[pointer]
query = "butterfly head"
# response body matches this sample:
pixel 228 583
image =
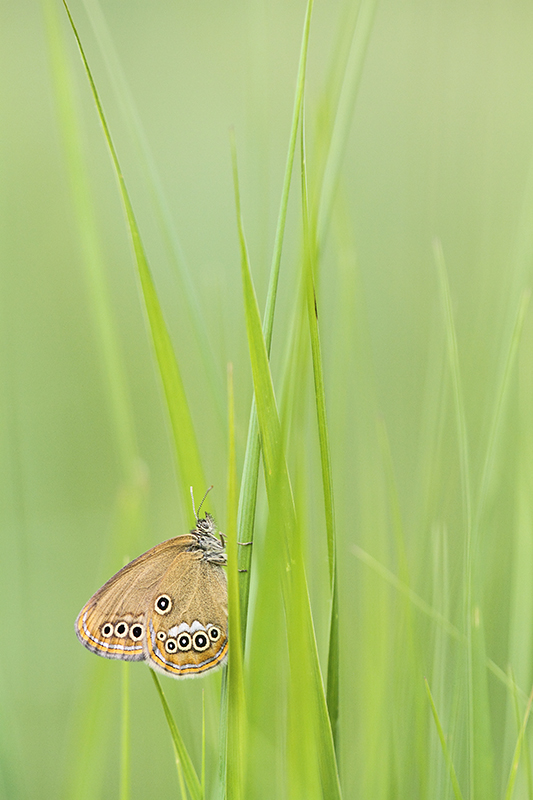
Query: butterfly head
pixel 212 546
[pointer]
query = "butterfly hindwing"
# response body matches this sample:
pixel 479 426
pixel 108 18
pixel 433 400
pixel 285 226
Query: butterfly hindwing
pixel 187 618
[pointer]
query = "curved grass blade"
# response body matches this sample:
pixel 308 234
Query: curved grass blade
pixel 236 715
pixel 124 99
pixel 517 751
pixel 268 419
pixel 203 742
pixel 250 476
pixel 497 415
pixel 185 445
pixel 184 764
pixel 93 261
pixel 309 258
pixel 125 734
pixel 518 747
pixel 449 762
pixel 223 734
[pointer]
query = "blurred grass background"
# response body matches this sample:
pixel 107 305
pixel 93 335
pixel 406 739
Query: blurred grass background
pixel 440 145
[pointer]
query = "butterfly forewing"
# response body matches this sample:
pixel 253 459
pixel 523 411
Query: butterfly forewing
pixel 187 620
pixel 113 623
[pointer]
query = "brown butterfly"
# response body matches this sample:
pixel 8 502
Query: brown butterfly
pixel 168 607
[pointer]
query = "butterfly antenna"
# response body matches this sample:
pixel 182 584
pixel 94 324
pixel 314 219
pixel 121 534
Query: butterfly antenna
pixel 193 508
pixel 203 498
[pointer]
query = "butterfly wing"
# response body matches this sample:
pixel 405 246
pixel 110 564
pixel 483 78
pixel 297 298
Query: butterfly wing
pixel 113 622
pixel 187 618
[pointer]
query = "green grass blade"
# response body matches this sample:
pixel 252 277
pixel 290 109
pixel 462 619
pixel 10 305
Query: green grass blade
pixel 501 396
pixel 464 460
pixel 93 261
pixel 186 448
pixel 191 305
pixel 518 722
pixel 343 117
pixel 223 733
pixel 487 477
pixel 449 762
pixel 184 764
pixel 417 601
pixel 304 769
pixel 518 748
pixel 250 477
pixel 453 355
pixel 203 743
pixel 282 218
pixel 237 733
pixel 309 258
pixel 440 660
pixel 332 684
pixel 266 684
pixel 521 589
pixel 125 738
pixel 326 744
pixel 271 439
pixel 309 261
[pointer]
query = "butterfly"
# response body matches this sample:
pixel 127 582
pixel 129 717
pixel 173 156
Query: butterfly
pixel 167 607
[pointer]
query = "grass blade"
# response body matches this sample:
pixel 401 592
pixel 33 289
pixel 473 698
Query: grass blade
pixel 449 762
pixel 191 305
pixel 309 259
pixel 453 355
pixel 250 477
pixel 93 261
pixel 474 693
pixel 203 742
pixel 271 439
pixel 125 739
pixel 185 445
pixel 184 764
pixel 501 396
pixel 343 117
pixel 518 748
pixel 236 717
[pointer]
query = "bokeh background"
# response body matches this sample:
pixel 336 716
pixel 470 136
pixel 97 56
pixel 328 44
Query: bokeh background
pixel 440 145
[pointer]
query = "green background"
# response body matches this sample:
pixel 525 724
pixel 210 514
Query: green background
pixel 440 146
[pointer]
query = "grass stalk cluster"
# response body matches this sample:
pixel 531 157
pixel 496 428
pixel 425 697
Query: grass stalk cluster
pixel 384 687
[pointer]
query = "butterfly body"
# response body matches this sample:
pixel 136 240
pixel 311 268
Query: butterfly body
pixel 167 607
